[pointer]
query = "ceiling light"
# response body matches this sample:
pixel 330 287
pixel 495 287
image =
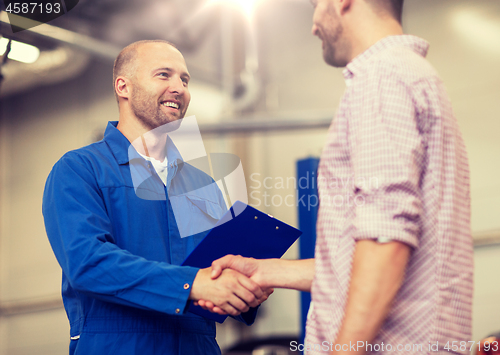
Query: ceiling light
pixel 19 51
pixel 246 5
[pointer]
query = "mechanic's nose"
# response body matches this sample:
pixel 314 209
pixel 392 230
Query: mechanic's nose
pixel 177 86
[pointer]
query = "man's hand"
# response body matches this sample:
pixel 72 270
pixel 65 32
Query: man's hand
pixel 247 266
pixel 209 306
pixel 268 273
pixel 231 293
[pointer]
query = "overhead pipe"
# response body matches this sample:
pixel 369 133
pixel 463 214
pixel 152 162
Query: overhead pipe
pixel 14 308
pixel 53 66
pixel 78 41
pixel 247 126
pixel 249 76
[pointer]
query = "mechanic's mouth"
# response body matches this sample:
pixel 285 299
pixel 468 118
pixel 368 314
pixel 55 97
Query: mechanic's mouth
pixel 171 104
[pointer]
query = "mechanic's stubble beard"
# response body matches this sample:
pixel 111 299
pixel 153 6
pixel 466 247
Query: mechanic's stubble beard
pixel 148 109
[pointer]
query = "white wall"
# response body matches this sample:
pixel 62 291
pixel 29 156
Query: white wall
pixel 486 306
pixel 40 125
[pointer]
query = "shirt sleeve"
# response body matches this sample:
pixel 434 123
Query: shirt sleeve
pixel 80 233
pixel 388 156
pixel 247 318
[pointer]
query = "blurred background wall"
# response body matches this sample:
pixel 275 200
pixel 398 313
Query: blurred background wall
pixel 63 101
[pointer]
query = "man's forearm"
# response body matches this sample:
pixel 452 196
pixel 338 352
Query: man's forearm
pixel 377 274
pixel 292 274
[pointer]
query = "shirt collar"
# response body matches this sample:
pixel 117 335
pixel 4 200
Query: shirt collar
pixel 418 45
pixel 120 146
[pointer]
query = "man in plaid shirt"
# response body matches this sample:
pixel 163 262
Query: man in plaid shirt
pixel 393 264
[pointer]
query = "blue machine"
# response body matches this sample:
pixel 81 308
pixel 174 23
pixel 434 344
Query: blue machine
pixel 308 204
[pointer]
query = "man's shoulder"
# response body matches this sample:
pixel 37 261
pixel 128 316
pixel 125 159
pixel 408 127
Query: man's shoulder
pixel 401 64
pixel 78 167
pixel 85 156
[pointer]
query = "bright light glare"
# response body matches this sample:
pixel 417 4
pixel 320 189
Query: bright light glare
pixel 478 29
pixel 19 51
pixel 246 5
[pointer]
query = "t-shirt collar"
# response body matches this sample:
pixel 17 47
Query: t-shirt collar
pixel 120 146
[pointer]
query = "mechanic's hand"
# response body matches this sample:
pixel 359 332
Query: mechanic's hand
pixel 231 293
pixel 247 266
pixel 209 306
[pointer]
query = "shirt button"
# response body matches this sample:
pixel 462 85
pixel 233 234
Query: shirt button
pixel 186 286
pixel 177 311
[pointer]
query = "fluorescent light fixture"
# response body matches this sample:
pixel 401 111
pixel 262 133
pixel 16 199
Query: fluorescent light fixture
pixel 479 29
pixel 19 51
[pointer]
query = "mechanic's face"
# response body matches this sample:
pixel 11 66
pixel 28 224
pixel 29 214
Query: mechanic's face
pixel 159 93
pixel 327 26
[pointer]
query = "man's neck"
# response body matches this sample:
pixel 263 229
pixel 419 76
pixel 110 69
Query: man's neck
pixel 371 31
pixel 147 142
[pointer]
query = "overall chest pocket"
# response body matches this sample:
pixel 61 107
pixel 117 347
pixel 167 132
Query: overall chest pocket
pixel 197 211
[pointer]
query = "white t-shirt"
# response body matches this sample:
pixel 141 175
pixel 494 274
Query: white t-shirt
pixel 160 167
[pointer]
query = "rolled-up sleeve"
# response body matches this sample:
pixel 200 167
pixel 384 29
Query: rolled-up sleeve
pixel 388 154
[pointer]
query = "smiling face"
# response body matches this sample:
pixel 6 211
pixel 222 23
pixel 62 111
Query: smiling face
pixel 327 26
pixel 159 85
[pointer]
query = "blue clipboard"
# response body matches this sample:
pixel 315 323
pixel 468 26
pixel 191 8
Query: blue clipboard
pixel 242 230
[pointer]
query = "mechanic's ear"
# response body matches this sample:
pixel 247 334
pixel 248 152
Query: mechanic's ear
pixel 122 87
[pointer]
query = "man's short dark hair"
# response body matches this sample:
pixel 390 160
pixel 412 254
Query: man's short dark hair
pixel 126 63
pixel 393 7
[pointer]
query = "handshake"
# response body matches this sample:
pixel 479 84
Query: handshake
pixel 234 284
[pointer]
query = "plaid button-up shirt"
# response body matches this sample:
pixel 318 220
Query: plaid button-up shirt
pixel 395 167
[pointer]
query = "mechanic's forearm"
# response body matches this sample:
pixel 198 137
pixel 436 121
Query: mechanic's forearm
pixel 377 274
pixel 292 274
